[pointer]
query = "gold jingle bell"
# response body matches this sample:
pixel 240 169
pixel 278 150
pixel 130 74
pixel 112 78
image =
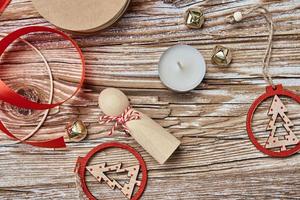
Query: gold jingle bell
pixel 194 18
pixel 76 130
pixel 221 56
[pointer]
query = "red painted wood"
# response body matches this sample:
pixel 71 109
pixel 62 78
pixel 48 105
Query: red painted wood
pixel 82 163
pixel 270 92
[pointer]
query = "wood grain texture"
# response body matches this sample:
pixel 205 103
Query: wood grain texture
pixel 216 159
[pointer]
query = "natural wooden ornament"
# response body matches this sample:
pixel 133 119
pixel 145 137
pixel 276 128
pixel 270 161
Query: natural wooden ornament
pixel 98 171
pixel 81 16
pixel 278 109
pixel 272 91
pixel 150 135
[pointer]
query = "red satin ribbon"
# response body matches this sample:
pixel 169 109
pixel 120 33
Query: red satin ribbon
pixel 9 96
pixel 3 5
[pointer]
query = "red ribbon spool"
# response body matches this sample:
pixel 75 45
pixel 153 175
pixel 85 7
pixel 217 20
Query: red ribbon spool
pixel 9 96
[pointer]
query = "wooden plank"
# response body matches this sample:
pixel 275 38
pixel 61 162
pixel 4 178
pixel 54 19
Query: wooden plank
pixel 216 159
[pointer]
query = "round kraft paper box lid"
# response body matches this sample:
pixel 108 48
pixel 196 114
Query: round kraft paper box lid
pixel 81 15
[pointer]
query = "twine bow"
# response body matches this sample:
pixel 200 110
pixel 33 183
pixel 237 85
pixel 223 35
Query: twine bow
pixel 121 120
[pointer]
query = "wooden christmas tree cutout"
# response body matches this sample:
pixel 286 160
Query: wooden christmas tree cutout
pixel 98 171
pixel 278 108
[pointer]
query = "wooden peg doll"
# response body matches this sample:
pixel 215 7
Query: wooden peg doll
pixel 159 143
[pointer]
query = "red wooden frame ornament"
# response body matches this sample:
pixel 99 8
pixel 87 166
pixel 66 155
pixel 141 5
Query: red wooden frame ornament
pixel 270 92
pixel 83 161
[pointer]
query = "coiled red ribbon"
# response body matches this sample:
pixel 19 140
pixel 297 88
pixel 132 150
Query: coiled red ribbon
pixel 9 96
pixel 3 4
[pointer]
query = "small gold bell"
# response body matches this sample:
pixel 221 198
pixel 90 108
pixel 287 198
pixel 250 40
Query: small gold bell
pixel 222 56
pixel 194 18
pixel 76 130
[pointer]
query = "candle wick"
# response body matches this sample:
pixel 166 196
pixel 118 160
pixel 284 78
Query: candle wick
pixel 180 65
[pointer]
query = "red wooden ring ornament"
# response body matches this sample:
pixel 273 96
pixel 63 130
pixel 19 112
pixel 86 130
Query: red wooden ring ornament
pixel 82 163
pixel 270 91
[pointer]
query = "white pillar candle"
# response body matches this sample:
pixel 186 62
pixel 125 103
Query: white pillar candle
pixel 182 68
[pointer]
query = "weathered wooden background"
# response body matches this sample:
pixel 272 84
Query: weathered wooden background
pixel 216 159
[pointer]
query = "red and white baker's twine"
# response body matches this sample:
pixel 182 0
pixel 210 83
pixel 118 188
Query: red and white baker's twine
pixel 121 120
